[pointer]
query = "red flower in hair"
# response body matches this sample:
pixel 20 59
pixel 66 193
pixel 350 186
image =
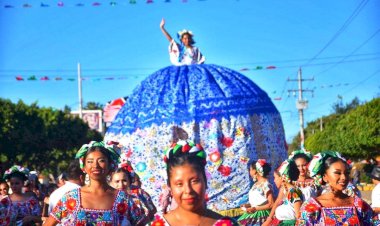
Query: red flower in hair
pixel 262 162
pixel 186 148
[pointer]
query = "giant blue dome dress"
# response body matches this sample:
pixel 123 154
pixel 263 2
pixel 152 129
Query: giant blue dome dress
pixel 233 119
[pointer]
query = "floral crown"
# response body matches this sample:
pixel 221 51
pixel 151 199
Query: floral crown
pixel 126 165
pixel 16 169
pixel 182 148
pixel 184 31
pixel 260 166
pixel 284 170
pixel 302 151
pixel 316 164
pixel 110 147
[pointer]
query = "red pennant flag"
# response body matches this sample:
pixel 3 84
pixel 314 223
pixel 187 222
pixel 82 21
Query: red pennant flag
pixel 45 78
pixel 271 67
pixel 19 78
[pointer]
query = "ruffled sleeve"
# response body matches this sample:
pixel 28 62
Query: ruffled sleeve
pixel 174 53
pixel 365 212
pixel 66 205
pixel 294 195
pixel 266 188
pixel 310 213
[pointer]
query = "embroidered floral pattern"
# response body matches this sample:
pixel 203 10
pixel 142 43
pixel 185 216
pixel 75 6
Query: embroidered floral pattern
pixel 312 213
pixel 68 211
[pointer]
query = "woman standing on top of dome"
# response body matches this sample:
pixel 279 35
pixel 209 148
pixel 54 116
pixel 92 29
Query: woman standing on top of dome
pixel 184 53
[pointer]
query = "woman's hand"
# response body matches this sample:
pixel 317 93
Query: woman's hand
pixel 162 24
pixel 267 222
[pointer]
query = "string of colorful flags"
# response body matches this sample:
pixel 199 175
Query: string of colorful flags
pixel 96 4
pixel 46 78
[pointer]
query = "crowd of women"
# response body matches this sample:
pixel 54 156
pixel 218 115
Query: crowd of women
pixel 103 189
pixel 313 190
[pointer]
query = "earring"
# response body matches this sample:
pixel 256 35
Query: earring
pixel 87 179
pixel 327 187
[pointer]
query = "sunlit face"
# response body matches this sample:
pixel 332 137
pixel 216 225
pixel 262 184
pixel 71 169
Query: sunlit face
pixel 337 176
pixel 120 181
pixel 96 165
pixel 277 180
pixel 188 187
pixel 16 185
pixel 186 39
pixel 301 166
pixel 253 173
pixel 4 189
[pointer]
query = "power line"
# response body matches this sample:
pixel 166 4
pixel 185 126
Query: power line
pixel 351 54
pixel 150 68
pixel 340 31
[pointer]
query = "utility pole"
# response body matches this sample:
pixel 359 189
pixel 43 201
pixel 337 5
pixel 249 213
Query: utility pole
pixel 301 104
pixel 80 92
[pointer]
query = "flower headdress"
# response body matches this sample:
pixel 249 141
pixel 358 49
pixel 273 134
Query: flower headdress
pixel 114 156
pixel 260 166
pixel 302 151
pixel 16 169
pixel 284 170
pixel 183 147
pixel 316 164
pixel 126 164
pixel 182 32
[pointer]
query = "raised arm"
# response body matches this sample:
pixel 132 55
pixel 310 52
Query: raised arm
pixel 162 26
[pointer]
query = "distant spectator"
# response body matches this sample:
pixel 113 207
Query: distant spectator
pixel 61 180
pixel 4 189
pixel 375 175
pixel 75 179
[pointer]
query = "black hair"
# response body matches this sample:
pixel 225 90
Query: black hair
pixel 302 155
pixel 103 150
pixel 191 40
pixel 18 175
pixel 327 164
pixel 294 173
pixel 266 168
pixel 180 158
pixel 74 172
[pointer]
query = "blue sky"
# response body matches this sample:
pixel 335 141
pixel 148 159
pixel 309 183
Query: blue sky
pixel 336 42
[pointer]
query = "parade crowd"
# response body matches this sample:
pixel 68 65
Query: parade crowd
pixel 101 188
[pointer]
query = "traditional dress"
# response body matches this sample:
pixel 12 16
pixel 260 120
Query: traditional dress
pixel 69 211
pixel 308 188
pixel 159 220
pixel 12 212
pixel 145 199
pixel 257 196
pixel 180 55
pixel 285 213
pixel 313 213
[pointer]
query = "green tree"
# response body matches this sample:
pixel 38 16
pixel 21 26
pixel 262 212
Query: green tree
pixel 40 138
pixel 356 133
